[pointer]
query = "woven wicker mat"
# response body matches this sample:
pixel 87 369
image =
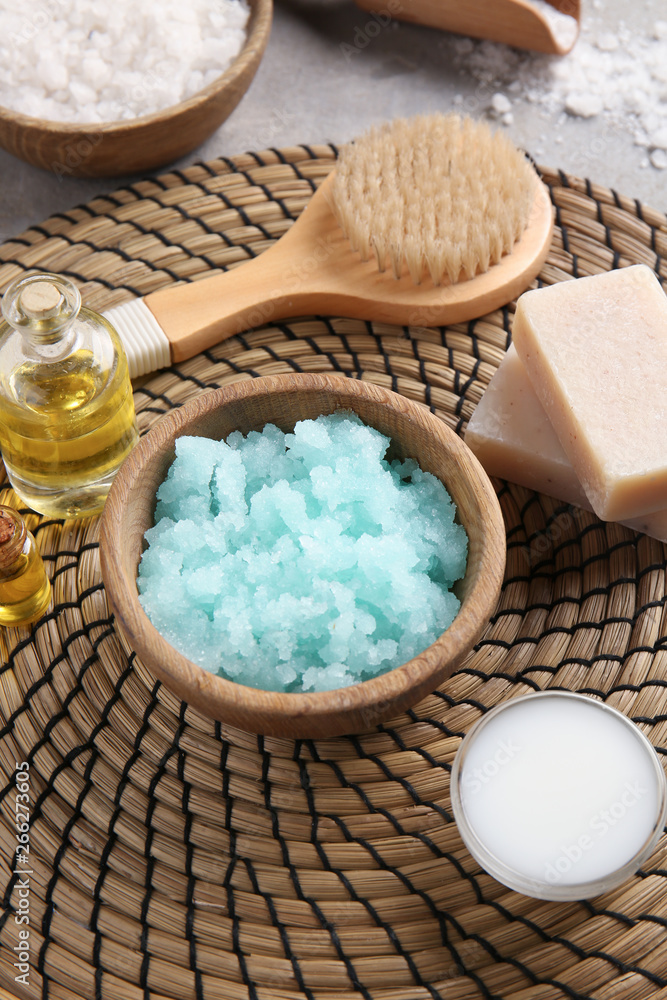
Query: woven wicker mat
pixel 172 857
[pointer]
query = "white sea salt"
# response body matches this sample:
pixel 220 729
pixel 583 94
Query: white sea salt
pixel 564 27
pixel 97 60
pixel 301 561
pixel 619 77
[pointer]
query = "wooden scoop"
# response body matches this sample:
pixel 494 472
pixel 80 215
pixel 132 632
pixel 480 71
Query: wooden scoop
pixel 514 22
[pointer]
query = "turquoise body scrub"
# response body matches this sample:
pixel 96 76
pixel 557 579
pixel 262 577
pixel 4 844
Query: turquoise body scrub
pixel 304 561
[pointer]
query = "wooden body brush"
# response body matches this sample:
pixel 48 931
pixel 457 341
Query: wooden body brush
pixel 456 219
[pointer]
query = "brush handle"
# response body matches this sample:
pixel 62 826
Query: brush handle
pixel 514 22
pixel 258 292
pixel 291 278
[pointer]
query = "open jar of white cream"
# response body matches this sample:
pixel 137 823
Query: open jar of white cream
pixel 558 796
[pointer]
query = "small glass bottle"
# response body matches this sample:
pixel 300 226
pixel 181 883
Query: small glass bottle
pixel 25 590
pixel 67 416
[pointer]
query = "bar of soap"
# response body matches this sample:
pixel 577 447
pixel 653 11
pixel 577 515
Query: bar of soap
pixel 511 435
pixel 595 350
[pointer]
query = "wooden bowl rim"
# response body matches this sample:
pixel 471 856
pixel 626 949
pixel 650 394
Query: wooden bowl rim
pixel 385 689
pixel 261 16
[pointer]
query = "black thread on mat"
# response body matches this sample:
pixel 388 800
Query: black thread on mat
pixel 73 753
pixel 70 553
pixel 190 934
pixel 254 183
pixel 301 176
pixel 461 392
pixel 236 924
pixel 205 165
pixel 327 323
pixel 184 214
pixel 230 364
pixel 387 364
pixel 284 850
pixel 380 810
pixel 304 780
pixel 514 680
pixel 278 153
pixel 436 723
pixel 277 357
pixel 411 748
pixel 280 927
pixel 353 354
pixel 108 848
pixel 507 326
pixel 81 278
pixel 158 235
pixel 441 916
pixel 389 774
pixel 116 250
pixel 314 346
pixel 48 672
pixel 310 152
pixel 414 344
pixel 472 335
pixel 155 396
pixel 148 844
pixel 234 859
pixel 49 905
pixel 245 219
pixel 224 754
pixel 563 230
pixel 187 378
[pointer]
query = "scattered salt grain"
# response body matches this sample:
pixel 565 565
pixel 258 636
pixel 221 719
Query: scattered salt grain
pixel 501 104
pixel 584 105
pixel 97 60
pixel 607 42
pixel 301 561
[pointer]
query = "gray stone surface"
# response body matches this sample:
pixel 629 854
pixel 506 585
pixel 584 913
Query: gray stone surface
pixel 325 77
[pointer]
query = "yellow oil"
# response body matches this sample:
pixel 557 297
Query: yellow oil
pixel 25 590
pixel 65 429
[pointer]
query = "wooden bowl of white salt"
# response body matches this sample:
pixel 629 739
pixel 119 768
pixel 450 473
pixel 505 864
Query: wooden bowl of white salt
pixel 132 144
pixel 282 400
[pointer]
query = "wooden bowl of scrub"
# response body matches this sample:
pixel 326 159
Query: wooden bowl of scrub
pixel 283 400
pixel 112 148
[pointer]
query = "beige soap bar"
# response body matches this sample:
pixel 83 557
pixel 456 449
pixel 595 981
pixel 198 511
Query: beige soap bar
pixel 512 436
pixel 595 350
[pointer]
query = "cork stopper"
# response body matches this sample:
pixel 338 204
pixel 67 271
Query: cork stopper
pixel 41 300
pixel 12 536
pixel 41 306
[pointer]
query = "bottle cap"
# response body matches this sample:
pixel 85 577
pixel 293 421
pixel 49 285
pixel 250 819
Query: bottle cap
pixel 43 305
pixel 12 536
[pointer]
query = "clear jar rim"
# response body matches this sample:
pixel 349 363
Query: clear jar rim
pixel 511 877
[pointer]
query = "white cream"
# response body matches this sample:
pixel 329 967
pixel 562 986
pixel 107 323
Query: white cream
pixel 558 796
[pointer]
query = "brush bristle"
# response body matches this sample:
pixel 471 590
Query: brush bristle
pixel 437 196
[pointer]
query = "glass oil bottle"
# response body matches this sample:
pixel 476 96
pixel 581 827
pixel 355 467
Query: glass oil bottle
pixel 67 416
pixel 25 590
